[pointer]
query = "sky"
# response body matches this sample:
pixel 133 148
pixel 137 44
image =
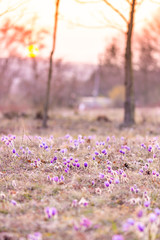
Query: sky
pixel 82 28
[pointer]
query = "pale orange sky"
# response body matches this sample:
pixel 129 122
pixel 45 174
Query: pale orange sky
pixel 77 43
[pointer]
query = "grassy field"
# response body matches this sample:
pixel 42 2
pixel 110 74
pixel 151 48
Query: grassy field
pixel 82 178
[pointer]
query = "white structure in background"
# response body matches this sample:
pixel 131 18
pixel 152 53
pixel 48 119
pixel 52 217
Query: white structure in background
pixel 94 103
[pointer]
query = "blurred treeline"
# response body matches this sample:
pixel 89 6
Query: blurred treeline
pixel 23 80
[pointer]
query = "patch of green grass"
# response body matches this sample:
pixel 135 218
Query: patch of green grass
pixel 27 196
pixel 4 211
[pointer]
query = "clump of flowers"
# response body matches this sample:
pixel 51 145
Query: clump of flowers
pixel 84 224
pixel 50 212
pixel 134 189
pixel 83 202
pixel 36 163
pixel 56 179
pixel 146 225
pixel 35 236
pixel 117 237
pixel 8 140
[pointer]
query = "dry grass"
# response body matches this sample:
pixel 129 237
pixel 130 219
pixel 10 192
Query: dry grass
pixel 26 177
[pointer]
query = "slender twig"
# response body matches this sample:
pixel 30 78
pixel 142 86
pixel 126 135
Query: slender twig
pixel 87 2
pixel 116 10
pixel 12 8
pixel 77 24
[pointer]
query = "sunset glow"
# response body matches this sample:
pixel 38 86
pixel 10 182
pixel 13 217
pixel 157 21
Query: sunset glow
pixel 32 51
pixel 81 26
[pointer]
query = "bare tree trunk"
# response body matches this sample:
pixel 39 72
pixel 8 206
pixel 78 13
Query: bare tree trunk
pixel 129 106
pixel 50 70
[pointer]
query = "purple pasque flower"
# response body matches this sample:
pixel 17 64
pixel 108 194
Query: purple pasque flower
pixel 93 182
pixel 63 151
pixel 55 158
pixel 104 151
pixel 122 151
pixel 47 212
pixel 117 237
pixel 147 203
pixel 109 168
pixel 35 236
pixel 126 147
pixel 143 145
pixel 140 213
pixel 120 171
pixel 130 221
pixel 62 178
pixel 14 202
pixel 75 203
pixel 96 153
pixel 126 227
pixel 85 164
pixel 157 211
pixel 150 160
pixel 101 175
pixel 124 175
pixel 14 151
pixel 116 181
pixel 85 222
pixel 76 227
pixel 149 148
pixel 140 227
pixel 56 179
pixel 83 202
pixel 154 172
pixel 152 217
pixel 141 170
pixel 54 211
pixel 107 139
pixel 50 212
pixel 106 184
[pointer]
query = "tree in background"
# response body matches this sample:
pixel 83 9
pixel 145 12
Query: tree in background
pixel 110 65
pixel 14 41
pixel 149 60
pixel 109 71
pixel 129 106
pixel 47 97
pixel 151 33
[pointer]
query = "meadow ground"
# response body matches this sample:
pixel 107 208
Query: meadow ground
pixel 82 178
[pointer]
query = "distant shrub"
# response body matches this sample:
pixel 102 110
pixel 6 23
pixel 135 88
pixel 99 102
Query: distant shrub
pixel 117 95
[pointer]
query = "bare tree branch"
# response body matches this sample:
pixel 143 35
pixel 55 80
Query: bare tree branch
pixel 116 10
pixel 128 2
pixel 12 8
pixel 113 25
pixel 155 1
pixel 87 2
pixel 77 24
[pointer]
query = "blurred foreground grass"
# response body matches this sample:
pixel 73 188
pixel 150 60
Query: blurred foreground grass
pixel 92 202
